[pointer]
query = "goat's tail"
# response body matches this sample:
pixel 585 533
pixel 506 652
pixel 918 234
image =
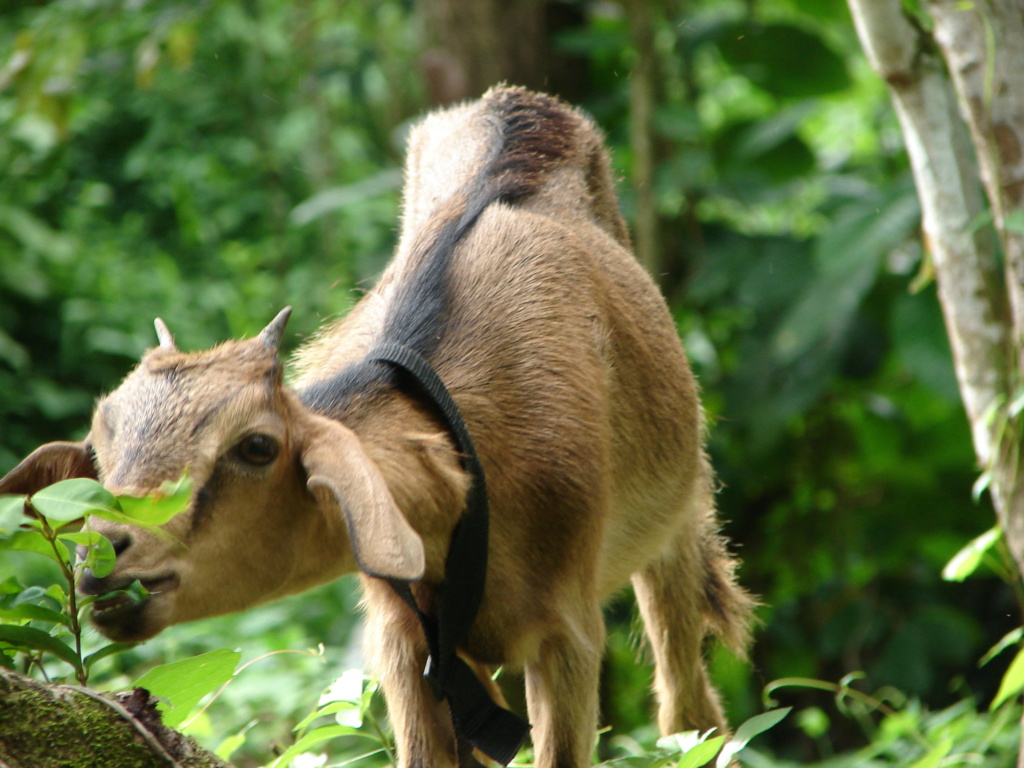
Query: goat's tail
pixel 539 133
pixel 531 136
pixel 728 608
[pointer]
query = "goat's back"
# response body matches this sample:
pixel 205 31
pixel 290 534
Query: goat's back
pixel 560 352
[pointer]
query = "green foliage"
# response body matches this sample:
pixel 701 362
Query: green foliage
pixel 693 749
pixel 38 624
pixel 156 161
pixel 347 703
pixel 901 732
pixel 181 684
pixel 211 162
pixel 776 57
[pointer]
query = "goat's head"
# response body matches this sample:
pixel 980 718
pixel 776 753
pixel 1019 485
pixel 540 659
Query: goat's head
pixel 283 498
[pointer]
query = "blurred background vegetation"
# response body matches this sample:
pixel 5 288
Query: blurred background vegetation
pixel 210 162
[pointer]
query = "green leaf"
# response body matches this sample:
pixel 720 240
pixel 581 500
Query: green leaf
pixel 755 158
pixel 12 514
pixel 936 755
pixel 158 508
pixel 120 517
pixel 71 499
pixel 311 739
pixel 230 745
pixel 330 709
pixel 755 726
pixel 34 541
pixel 347 688
pixel 100 557
pixel 1016 405
pixel 966 561
pixel 40 596
pixel 36 639
pixel 335 198
pixel 183 683
pixel 683 741
pixel 30 612
pixel 1013 681
pixel 1010 638
pixel 107 650
pixel 702 754
pixel 11 586
pixel 981 485
pixel 980 221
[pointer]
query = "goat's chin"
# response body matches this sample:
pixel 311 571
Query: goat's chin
pixel 130 623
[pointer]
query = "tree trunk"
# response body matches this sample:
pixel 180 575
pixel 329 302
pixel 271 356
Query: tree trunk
pixel 65 725
pixel 984 49
pixel 983 44
pixel 947 184
pixel 474 45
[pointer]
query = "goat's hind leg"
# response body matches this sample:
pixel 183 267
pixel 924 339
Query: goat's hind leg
pixel 562 689
pixel 683 596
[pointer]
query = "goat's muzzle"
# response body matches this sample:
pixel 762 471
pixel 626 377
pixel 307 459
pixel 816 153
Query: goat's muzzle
pixel 119 613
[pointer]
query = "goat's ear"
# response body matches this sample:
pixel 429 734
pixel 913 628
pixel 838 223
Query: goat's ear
pixel 347 483
pixel 46 465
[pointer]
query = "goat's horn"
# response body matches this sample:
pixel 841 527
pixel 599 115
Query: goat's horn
pixel 271 335
pixel 164 335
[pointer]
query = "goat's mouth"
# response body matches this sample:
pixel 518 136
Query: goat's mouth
pixel 119 611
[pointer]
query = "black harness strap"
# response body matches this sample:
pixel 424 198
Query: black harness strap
pixel 478 720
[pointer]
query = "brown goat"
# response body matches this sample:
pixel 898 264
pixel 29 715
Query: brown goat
pixel 513 277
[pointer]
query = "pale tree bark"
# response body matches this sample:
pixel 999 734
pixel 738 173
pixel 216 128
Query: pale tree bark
pixel 949 164
pixel 946 175
pixel 983 44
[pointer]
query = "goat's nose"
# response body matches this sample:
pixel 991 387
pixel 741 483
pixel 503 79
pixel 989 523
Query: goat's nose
pixel 119 541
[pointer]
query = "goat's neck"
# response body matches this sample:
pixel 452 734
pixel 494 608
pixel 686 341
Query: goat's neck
pixel 423 470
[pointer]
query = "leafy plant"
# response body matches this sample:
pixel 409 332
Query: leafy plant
pixel 694 749
pixel 39 624
pixel 902 732
pixel 347 702
pixel 990 549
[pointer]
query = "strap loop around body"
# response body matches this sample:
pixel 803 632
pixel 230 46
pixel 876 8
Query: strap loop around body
pixel 477 719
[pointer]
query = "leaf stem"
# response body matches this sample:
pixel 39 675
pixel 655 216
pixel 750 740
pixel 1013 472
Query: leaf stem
pixel 71 605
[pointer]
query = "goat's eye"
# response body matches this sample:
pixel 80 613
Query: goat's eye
pixel 258 450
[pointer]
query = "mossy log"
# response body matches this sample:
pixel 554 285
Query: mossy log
pixel 44 725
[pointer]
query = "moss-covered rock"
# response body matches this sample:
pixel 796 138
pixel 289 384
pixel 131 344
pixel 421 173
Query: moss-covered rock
pixel 61 726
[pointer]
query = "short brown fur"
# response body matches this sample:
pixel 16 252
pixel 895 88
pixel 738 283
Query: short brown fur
pixel 566 366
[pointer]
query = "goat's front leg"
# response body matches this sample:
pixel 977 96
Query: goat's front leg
pixel 397 653
pixel 562 689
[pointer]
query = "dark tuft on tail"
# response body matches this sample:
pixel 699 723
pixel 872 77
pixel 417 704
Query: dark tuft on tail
pixel 728 608
pixel 534 134
pixel 538 132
